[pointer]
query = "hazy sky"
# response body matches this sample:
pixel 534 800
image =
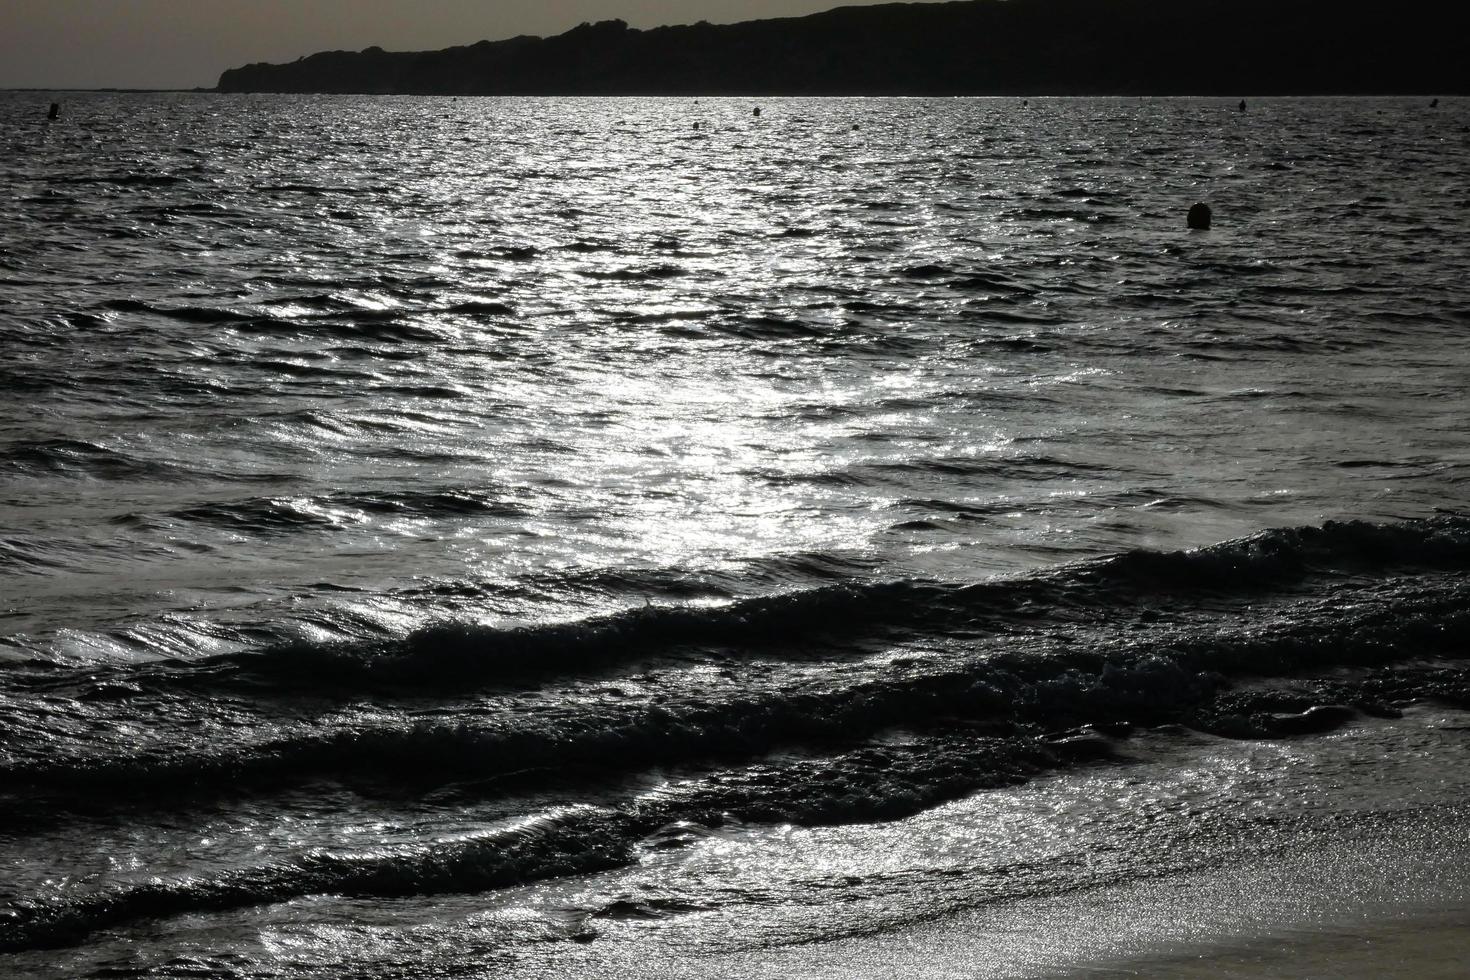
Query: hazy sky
pixel 187 43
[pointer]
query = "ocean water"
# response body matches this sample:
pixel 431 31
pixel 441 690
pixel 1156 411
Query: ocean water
pixel 537 537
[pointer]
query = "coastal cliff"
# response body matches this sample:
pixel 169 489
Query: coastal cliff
pixel 1073 47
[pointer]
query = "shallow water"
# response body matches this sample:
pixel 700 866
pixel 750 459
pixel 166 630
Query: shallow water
pixel 423 497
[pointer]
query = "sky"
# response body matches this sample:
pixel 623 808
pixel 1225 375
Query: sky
pixel 187 43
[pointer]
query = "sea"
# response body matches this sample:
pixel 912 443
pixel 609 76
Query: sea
pixel 514 537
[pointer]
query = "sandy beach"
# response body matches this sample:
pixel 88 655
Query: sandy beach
pixel 1421 945
pixel 1376 906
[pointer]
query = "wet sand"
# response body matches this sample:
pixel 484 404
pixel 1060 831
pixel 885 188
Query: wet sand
pixel 1420 946
pixel 1420 943
pixel 1388 903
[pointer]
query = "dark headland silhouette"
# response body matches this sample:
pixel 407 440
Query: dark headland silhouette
pixel 1063 47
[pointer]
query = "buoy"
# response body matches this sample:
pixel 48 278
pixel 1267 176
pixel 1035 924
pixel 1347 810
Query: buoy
pixel 757 112
pixel 1434 104
pixel 1242 105
pixel 1199 217
pixel 55 112
pixel 696 125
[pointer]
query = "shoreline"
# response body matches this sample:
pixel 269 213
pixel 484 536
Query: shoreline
pixel 1327 886
pixel 1122 934
pixel 1387 903
pixel 1423 945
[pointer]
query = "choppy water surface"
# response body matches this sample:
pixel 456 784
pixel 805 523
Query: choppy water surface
pixel 421 519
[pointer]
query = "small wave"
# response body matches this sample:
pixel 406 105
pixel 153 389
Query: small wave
pixel 587 247
pixel 319 302
pixel 456 654
pixel 849 618
pixel 954 509
pixel 77 457
pixel 807 566
pixel 879 782
pixel 516 253
pixel 330 371
pixel 1290 554
pixel 379 325
pixel 989 314
pixel 257 516
pixel 1059 214
pixel 669 316
pixel 1019 467
pixel 641 584
pixel 432 503
pixel 26 556
pixel 579 841
pixel 1019 345
pixel 326 511
pixel 1166 675
pixel 920 730
pixel 480 308
pixel 310 190
pixel 1377 593
pixel 646 274
pixel 1385 464
pixel 876 783
pixel 991 282
pixel 928 271
pixel 188 314
pixel 767 327
pixel 127 179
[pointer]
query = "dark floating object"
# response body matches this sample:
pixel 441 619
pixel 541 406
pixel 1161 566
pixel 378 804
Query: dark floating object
pixel 1199 217
pixel 55 112
pixel 1434 104
pixel 1242 105
pixel 757 112
pixel 696 125
pixel 856 127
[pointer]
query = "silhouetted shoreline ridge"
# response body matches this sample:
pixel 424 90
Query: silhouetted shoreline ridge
pixel 976 47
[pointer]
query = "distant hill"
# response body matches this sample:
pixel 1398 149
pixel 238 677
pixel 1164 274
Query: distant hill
pixel 1064 47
